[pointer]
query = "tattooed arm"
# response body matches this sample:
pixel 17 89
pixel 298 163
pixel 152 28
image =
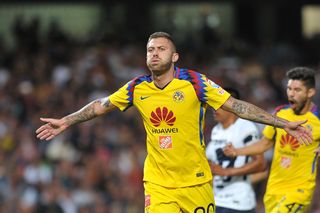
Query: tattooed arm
pixel 251 112
pixel 54 127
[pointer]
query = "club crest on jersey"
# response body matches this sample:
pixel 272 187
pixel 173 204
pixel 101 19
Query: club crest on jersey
pixel 178 96
pixel 159 115
pixel 290 141
pixel 165 142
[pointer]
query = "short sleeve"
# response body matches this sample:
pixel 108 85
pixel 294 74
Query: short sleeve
pixel 269 132
pixel 122 98
pixel 216 96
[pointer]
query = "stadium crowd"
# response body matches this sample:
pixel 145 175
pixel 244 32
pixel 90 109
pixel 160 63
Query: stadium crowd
pixel 97 166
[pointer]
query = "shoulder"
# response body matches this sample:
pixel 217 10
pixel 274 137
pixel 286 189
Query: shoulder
pixel 315 110
pixel 281 108
pixel 138 80
pixel 187 74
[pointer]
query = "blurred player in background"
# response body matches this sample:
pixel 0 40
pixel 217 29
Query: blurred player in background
pixel 233 191
pixel 292 176
pixel 172 103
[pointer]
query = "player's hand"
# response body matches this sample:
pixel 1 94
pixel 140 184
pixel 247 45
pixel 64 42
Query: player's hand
pixel 216 169
pixel 302 134
pixel 230 151
pixel 52 128
pixel 317 150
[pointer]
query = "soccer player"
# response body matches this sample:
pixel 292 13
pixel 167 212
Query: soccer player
pixel 172 103
pixel 233 192
pixel 292 177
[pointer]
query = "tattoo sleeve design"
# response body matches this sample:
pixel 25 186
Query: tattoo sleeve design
pixel 251 112
pixel 84 114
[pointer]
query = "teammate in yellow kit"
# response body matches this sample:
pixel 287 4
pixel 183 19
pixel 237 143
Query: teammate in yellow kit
pixel 172 103
pixel 292 176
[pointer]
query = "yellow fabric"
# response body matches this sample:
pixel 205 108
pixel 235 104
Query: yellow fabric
pixel 295 201
pixel 173 118
pixel 294 166
pixel 193 199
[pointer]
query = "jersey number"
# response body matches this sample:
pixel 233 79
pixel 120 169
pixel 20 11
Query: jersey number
pixel 200 209
pixel 294 207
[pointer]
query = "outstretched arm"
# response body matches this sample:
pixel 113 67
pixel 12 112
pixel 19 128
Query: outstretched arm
pixel 251 112
pixel 257 164
pixel 257 148
pixel 54 127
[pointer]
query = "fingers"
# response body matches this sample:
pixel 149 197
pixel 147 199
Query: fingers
pixel 302 134
pixel 44 132
pixel 302 122
pixel 48 130
pixel 42 128
pixel 48 120
pixel 229 150
pixel 45 135
pixel 306 136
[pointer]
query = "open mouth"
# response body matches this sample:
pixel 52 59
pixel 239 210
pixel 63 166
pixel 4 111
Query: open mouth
pixel 291 102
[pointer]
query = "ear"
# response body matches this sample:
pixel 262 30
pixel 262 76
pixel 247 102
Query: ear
pixel 175 57
pixel 311 92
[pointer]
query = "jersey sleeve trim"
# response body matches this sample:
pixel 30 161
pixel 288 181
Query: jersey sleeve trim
pixel 195 79
pixel 315 111
pixel 134 82
pixel 279 108
pixel 123 98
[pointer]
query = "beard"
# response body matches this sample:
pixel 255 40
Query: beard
pixel 297 107
pixel 159 67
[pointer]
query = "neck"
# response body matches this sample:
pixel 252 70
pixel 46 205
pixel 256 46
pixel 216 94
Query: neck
pixel 229 121
pixel 307 107
pixel 163 78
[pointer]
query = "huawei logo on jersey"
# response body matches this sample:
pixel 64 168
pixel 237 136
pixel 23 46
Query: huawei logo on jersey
pixel 160 115
pixel 289 140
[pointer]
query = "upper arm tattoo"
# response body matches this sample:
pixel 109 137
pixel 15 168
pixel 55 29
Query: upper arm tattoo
pixel 239 108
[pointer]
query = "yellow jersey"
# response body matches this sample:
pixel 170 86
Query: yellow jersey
pixel 294 165
pixel 173 118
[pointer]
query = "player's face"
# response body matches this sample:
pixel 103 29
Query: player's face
pixel 298 95
pixel 160 55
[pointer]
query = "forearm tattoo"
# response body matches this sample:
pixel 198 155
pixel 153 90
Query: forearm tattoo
pixel 251 112
pixel 84 114
pixel 89 111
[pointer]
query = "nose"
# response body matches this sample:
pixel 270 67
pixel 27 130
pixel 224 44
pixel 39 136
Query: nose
pixel 155 53
pixel 291 93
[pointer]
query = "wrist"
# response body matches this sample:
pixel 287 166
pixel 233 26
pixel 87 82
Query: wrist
pixel 278 122
pixel 65 122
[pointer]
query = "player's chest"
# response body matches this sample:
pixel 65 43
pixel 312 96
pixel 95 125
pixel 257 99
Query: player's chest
pixel 175 98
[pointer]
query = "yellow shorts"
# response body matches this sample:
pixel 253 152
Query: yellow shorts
pixel 292 201
pixel 193 199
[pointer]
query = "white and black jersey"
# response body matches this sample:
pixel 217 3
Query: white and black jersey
pixel 234 192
